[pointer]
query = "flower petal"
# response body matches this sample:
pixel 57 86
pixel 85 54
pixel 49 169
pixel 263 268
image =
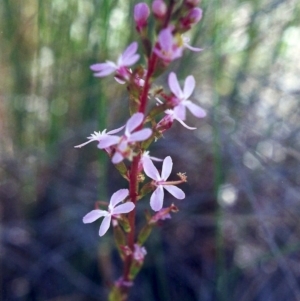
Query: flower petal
pixel 129 51
pixel 192 48
pixel 131 60
pixel 174 85
pixel 85 143
pixel 150 170
pixel 157 198
pixel 165 39
pixel 108 141
pixel 105 225
pixel 103 66
pixel 185 125
pixel 116 130
pixel 195 109
pixel 189 86
pixel 103 69
pixel 93 215
pixel 166 168
pixel 175 191
pixel 123 208
pixel 133 122
pixel 180 111
pixel 118 197
pixel 140 135
pixel 117 158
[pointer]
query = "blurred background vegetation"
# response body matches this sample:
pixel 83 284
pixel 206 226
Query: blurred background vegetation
pixel 237 235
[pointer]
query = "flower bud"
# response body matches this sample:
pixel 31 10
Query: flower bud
pixel 159 8
pixel 141 14
pixel 195 15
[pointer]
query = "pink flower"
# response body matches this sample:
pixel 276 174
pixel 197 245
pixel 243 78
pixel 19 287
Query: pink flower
pixel 167 48
pixel 146 155
pixel 159 8
pixel 180 99
pixel 98 136
pixel 172 115
pixel 157 197
pixel 141 14
pixel 139 253
pixel 128 58
pixel 122 143
pixel 113 209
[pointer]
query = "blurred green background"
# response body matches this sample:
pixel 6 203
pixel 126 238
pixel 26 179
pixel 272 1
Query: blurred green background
pixel 236 235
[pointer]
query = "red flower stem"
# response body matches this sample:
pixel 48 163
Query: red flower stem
pixel 147 84
pixel 168 14
pixel 133 178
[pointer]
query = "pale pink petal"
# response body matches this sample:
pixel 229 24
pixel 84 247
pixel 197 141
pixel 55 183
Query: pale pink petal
pixel 117 158
pixel 103 66
pixel 116 130
pixel 180 111
pixel 133 122
pixel 165 39
pixel 94 215
pixel 108 141
pixel 120 81
pixel 189 86
pixel 185 125
pixel 192 48
pixel 155 159
pixel 131 60
pixel 150 170
pixel 83 144
pixel 130 50
pixel 118 197
pixel 175 191
pixel 157 198
pixel 174 85
pixel 166 168
pixel 195 109
pixel 103 69
pixel 123 208
pixel 104 72
pixel 105 225
pixel 140 135
pixel 177 52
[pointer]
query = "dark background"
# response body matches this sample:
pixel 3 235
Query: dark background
pixel 236 237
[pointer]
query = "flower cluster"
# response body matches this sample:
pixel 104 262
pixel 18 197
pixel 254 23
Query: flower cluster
pixel 128 151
